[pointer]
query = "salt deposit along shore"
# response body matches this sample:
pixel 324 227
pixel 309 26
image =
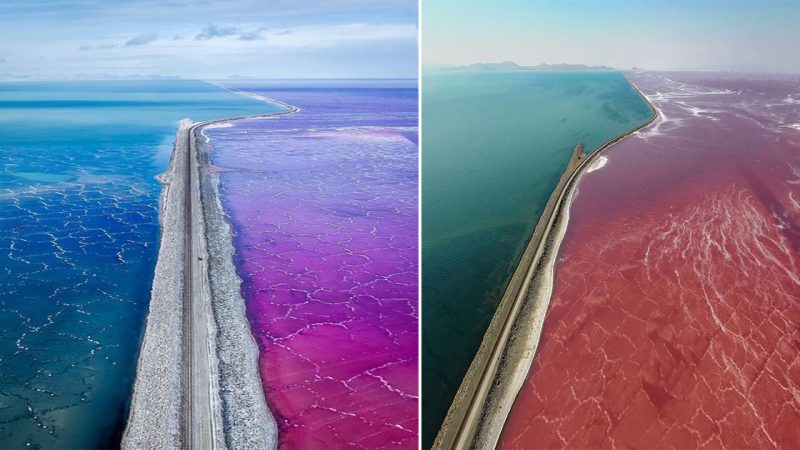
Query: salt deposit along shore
pixel 197 382
pixel 476 417
pixel 674 316
pixel 323 206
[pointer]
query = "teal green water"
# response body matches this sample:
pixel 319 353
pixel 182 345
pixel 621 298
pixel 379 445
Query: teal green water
pixel 78 243
pixel 494 146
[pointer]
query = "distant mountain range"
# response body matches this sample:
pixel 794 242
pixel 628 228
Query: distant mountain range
pixel 84 77
pixel 510 65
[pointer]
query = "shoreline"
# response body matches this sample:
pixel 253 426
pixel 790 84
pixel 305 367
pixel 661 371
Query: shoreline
pixel 679 221
pixel 156 398
pixel 197 379
pixel 477 415
pixel 255 96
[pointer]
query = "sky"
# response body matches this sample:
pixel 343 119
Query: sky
pixel 83 39
pixel 737 35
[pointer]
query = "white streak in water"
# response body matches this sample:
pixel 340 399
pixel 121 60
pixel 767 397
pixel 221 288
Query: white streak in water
pixel 597 164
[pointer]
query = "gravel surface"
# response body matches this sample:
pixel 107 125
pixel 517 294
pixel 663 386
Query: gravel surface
pixel 248 422
pixel 155 417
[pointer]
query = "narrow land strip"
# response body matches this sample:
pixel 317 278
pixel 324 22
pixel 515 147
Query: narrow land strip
pixel 154 420
pixel 246 419
pixel 202 414
pixel 187 352
pixel 481 405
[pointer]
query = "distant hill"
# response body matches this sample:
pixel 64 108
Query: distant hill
pixel 507 65
pixel 510 65
pixel 85 77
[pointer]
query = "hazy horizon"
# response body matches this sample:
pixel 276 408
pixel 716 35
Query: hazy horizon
pixel 732 69
pixel 196 39
pixel 154 77
pixel 743 36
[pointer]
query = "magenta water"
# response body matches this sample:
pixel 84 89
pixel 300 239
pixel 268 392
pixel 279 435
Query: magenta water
pixel 323 206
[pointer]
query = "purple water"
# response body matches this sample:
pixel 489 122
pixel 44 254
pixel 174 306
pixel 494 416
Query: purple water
pixel 323 205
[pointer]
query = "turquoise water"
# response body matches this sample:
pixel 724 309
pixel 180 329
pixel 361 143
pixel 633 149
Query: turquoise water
pixel 494 145
pixel 78 244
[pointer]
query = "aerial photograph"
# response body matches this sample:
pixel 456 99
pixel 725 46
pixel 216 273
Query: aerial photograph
pixel 610 208
pixel 209 224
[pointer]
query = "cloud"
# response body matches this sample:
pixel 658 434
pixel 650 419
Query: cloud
pixel 308 36
pixel 212 31
pixel 2 60
pixel 251 36
pixel 141 39
pixel 346 38
pixel 84 48
pixel 327 36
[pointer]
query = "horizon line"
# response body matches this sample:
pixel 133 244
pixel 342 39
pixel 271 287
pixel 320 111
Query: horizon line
pixel 135 78
pixel 762 70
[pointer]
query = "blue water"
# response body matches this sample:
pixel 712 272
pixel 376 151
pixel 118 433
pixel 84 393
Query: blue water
pixel 78 243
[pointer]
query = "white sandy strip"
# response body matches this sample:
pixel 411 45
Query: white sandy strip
pixel 521 349
pixel 156 418
pixel 526 339
pixel 212 126
pixel 255 96
pixel 654 128
pixel 248 422
pixel 597 164
pixel 790 99
pixel 218 125
pixel 794 126
pixel 156 411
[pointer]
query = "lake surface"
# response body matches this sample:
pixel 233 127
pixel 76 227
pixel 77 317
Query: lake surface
pixel 78 243
pixel 323 207
pixel 495 145
pixel 676 303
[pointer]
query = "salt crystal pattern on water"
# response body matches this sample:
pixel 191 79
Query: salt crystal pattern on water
pixel 675 312
pixel 79 236
pixel 323 207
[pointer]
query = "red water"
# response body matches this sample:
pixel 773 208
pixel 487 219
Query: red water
pixel 675 313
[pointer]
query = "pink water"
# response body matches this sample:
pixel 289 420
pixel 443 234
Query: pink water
pixel 674 319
